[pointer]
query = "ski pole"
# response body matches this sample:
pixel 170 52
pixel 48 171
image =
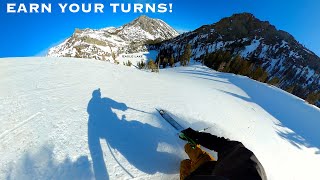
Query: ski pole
pixel 138 110
pixel 203 130
pixel 189 140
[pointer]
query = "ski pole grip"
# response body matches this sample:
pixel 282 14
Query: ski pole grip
pixel 186 138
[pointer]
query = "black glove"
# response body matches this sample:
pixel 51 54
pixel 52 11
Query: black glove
pixel 190 133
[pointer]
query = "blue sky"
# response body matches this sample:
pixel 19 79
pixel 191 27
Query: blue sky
pixel 33 34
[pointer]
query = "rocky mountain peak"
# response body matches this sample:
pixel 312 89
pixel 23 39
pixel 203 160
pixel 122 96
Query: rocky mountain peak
pixel 154 27
pixel 143 18
pixel 108 43
pixel 259 42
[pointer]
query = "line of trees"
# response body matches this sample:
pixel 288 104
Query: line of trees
pixel 223 61
pixel 151 65
pixel 166 57
pixel 128 63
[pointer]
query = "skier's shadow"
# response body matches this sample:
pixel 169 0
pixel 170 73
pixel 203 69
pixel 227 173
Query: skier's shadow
pixel 135 141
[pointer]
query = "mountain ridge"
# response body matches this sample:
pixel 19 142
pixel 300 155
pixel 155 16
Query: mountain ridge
pixel 108 43
pixel 276 51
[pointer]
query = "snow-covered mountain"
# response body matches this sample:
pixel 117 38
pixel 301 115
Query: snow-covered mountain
pixel 257 41
pixel 284 58
pixel 109 43
pixel 55 125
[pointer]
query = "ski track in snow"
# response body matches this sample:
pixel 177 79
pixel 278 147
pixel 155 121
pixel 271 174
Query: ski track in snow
pixel 18 126
pixel 45 108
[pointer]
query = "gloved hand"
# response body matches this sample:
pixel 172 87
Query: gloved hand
pixel 190 133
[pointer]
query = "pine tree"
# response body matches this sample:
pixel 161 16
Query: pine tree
pixel 158 62
pixel 141 64
pixel 114 57
pixel 208 61
pixel 171 61
pixel 222 67
pixel 227 67
pixel 218 60
pixel 128 63
pixel 290 89
pixel 226 56
pixel 244 68
pixel 152 66
pixel 188 53
pixel 181 59
pixel 252 68
pixel 165 62
pixel 313 97
pixel 185 57
pixel 274 81
pixel 235 65
pixel 264 76
pixel 259 74
pixel 207 53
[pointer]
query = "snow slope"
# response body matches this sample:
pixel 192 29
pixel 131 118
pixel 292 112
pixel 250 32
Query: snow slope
pixel 51 118
pixel 276 51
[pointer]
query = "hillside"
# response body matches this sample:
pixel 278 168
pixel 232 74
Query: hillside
pixel 51 113
pixel 258 42
pixel 293 67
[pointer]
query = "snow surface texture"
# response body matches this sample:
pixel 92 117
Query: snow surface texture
pixel 56 124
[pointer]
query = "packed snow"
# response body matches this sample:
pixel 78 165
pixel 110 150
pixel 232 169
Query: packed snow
pixel 66 118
